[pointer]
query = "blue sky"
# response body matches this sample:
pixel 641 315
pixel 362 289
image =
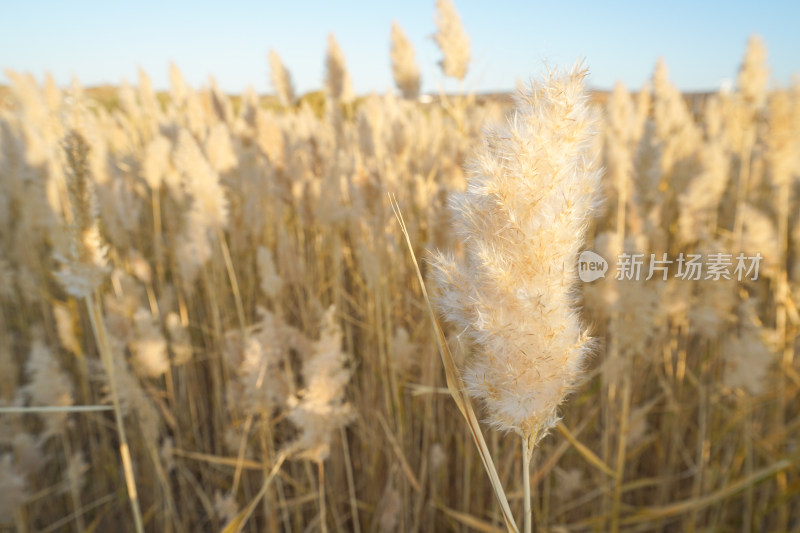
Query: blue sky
pixel 104 42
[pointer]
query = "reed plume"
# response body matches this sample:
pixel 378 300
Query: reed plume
pixel 452 40
pixel 83 265
pixel 281 79
pixel 337 79
pixel 754 74
pixel 522 221
pixel 13 489
pixel 404 67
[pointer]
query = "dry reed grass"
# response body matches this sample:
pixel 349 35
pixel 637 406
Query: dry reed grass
pixel 219 314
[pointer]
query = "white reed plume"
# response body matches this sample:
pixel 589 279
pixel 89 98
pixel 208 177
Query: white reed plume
pixel 321 409
pixel 220 150
pixel 754 73
pixel 156 163
pixel 452 39
pixel 208 212
pixel 337 80
pixel 404 67
pixel 13 489
pixel 84 263
pixel 148 345
pixel 178 90
pixel 49 386
pixel 281 79
pixel 522 220
pixel 271 282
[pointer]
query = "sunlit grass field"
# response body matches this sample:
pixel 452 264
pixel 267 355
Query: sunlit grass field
pixel 209 317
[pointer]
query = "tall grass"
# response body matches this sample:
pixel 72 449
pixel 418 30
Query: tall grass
pixel 230 279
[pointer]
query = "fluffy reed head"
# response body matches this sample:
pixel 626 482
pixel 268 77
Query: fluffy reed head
pixel 281 80
pixel 322 408
pixel 522 220
pixel 404 67
pixel 452 39
pixel 754 74
pixel 337 80
pixel 83 264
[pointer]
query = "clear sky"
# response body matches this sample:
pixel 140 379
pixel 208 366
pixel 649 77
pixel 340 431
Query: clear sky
pixel 104 42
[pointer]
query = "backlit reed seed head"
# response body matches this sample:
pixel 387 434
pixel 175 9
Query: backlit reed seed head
pixel 200 180
pixel 156 161
pixel 674 127
pixel 754 74
pixel 714 120
pixel 713 305
pixel 390 508
pixel 522 220
pixel 128 101
pixel 621 112
pixel 147 95
pixel 52 94
pixel 700 201
pixel 28 452
pixel 178 90
pixel 452 39
pixel 639 311
pixel 48 386
pixel 321 409
pixel 180 343
pixel 404 67
pixel 795 274
pixel 208 211
pixel 148 345
pixel 782 140
pixel 747 354
pixel 195 116
pixel 84 263
pixel 133 400
pixel 13 489
pixel 337 80
pixel 75 473
pixel 619 142
pixel 7 284
pixel 760 235
pixel 220 103
pixel 644 101
pixel 271 282
pixel 405 352
pixel 281 80
pixel 65 328
pixel 248 110
pixel 260 360
pixel 225 506
pixel 220 150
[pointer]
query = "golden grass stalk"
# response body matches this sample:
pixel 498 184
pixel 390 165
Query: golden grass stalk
pixel 455 386
pixel 81 274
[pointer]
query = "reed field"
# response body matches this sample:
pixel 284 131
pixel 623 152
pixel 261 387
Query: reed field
pixel 210 318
